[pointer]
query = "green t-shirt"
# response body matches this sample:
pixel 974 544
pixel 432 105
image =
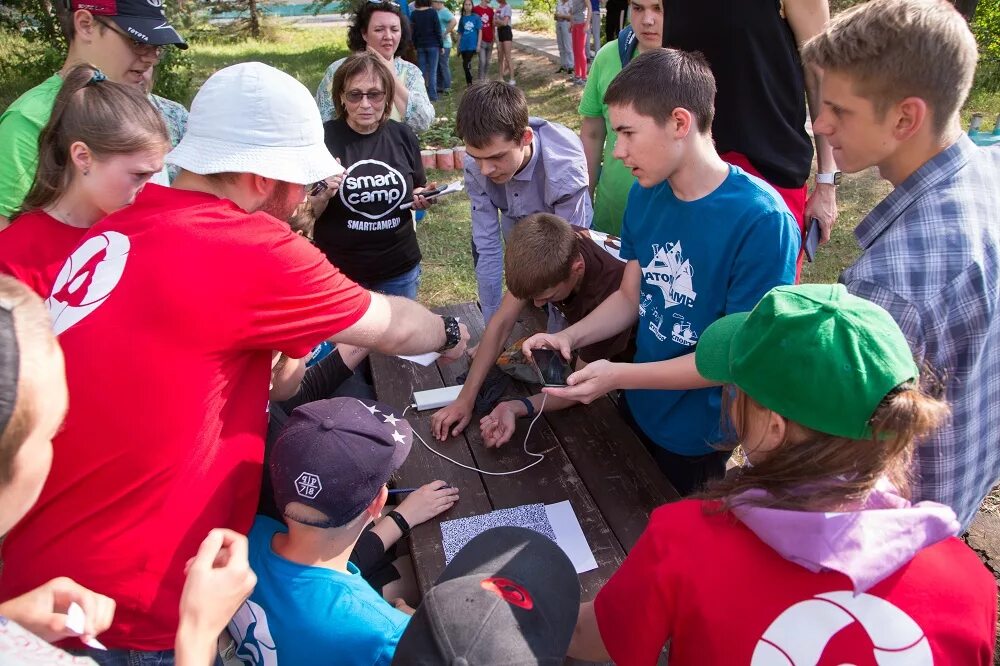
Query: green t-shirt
pixel 20 126
pixel 615 180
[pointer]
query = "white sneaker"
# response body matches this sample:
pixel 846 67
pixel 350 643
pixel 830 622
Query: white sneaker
pixel 512 82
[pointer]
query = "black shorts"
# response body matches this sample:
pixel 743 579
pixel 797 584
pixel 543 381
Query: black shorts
pixel 505 34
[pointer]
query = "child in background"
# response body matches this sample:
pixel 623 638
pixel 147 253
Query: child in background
pixel 835 565
pixel 579 21
pixel 485 13
pixel 429 43
pixel 470 29
pixel 329 468
pixel 103 141
pixel 563 39
pixel 505 39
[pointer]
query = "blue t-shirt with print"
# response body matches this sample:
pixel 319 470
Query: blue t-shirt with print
pixel 300 615
pixel 700 260
pixel 469 27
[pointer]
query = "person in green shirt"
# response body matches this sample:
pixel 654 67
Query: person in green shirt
pixel 123 45
pixel 610 180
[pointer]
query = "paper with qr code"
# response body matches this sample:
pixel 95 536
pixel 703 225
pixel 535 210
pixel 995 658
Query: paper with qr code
pixel 557 521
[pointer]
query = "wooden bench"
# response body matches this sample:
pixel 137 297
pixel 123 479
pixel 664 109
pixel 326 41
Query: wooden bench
pixel 592 459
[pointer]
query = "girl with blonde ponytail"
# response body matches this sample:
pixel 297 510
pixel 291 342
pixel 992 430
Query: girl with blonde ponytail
pixel 811 552
pixel 103 141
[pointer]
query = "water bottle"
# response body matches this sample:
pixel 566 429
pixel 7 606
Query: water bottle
pixel 319 352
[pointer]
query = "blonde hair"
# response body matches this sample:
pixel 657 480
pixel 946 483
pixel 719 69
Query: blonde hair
pixel 836 470
pixel 893 49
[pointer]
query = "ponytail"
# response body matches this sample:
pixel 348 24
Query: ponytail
pixel 811 470
pixel 111 118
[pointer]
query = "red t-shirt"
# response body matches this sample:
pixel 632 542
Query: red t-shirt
pixel 723 596
pixel 486 16
pixel 34 247
pixel 167 320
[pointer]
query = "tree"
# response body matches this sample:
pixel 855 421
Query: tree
pixel 248 15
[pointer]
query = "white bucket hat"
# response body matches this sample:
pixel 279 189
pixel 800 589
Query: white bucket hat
pixel 253 118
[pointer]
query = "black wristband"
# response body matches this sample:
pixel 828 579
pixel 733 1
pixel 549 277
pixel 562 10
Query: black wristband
pixel 452 333
pixel 401 523
pixel 529 406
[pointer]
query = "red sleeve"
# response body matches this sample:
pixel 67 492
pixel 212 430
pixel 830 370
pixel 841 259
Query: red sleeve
pixel 301 298
pixel 635 608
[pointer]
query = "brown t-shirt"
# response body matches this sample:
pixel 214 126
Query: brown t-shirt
pixel 601 278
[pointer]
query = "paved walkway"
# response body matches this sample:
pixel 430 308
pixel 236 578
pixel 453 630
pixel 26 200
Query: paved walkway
pixel 537 44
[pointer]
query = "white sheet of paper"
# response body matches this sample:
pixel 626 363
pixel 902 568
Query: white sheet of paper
pixel 422 359
pixel 570 537
pixel 76 621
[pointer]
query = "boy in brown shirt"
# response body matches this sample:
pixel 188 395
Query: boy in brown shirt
pixel 547 261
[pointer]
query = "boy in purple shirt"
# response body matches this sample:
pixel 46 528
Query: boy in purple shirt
pixel 515 166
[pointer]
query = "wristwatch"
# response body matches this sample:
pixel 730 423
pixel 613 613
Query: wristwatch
pixel 832 178
pixel 401 523
pixel 452 334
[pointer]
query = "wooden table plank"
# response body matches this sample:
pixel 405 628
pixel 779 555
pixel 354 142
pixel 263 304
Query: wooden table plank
pixel 592 459
pixel 395 382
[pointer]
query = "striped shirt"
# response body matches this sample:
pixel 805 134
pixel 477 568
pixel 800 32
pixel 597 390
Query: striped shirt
pixel 931 257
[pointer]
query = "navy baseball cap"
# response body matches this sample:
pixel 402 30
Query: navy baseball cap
pixel 510 596
pixel 335 455
pixel 142 20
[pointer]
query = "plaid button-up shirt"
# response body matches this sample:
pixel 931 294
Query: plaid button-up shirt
pixel 931 257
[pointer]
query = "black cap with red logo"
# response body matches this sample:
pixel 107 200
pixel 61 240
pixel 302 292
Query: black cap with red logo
pixel 142 20
pixel 510 596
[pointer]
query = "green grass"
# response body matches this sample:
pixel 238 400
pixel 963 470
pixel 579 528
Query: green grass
pixel 305 52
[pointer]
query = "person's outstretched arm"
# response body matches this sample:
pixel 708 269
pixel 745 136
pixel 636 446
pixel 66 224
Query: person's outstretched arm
pixel 459 413
pixel 396 325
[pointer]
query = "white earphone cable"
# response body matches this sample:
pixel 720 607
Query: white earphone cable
pixel 539 456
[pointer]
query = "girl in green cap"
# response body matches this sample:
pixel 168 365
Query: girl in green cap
pixel 811 552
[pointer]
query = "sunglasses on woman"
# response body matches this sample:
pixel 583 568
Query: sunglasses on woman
pixel 374 96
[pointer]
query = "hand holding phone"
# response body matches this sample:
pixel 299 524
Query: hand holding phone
pixel 436 192
pixel 813 234
pixel 552 368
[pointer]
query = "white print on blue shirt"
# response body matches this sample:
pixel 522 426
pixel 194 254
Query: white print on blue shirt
pixel 673 275
pixel 254 644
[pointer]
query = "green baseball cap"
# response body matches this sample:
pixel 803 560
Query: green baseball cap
pixel 813 353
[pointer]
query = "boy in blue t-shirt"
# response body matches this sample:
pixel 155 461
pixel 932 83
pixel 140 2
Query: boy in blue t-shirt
pixel 329 468
pixel 703 239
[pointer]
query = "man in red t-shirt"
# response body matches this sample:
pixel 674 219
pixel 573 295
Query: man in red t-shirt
pixel 485 14
pixel 167 313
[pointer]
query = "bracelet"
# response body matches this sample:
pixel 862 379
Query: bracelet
pixel 530 407
pixel 401 523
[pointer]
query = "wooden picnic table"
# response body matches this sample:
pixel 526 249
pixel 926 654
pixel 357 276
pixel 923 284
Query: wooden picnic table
pixel 592 459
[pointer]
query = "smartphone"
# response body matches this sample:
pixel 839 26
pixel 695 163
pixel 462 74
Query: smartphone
pixel 812 238
pixel 552 368
pixel 433 194
pixel 318 188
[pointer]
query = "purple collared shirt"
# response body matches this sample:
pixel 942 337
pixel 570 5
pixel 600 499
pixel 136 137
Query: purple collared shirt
pixel 554 181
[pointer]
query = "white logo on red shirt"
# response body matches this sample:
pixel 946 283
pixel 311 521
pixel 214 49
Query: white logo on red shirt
pixel 799 636
pixel 87 279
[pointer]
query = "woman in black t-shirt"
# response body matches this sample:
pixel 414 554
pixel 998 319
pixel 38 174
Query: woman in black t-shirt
pixel 362 229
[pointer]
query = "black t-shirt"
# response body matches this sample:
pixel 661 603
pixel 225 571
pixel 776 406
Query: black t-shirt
pixel 760 108
pixel 363 232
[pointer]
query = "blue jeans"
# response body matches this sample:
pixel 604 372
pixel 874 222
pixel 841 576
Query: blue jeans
pixel 444 72
pixel 405 285
pixel 428 59
pixel 130 657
